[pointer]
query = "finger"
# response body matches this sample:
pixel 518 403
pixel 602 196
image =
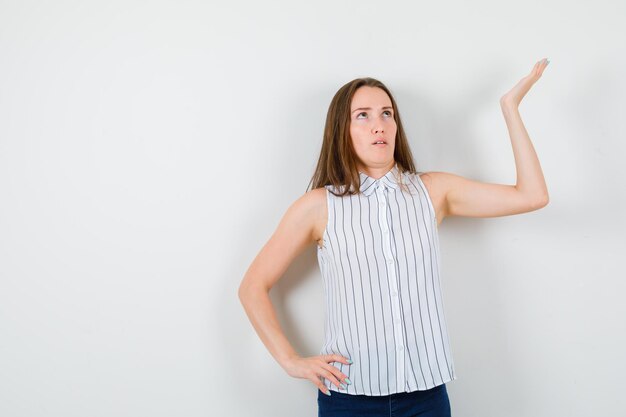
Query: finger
pixel 337 372
pixel 329 374
pixel 321 386
pixel 337 358
pixel 543 63
pixel 538 66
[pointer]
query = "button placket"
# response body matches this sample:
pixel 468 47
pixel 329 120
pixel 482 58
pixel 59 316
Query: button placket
pixel 393 285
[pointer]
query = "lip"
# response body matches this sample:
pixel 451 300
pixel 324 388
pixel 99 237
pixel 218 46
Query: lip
pixel 379 140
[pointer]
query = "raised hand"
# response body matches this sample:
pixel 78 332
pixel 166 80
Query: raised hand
pixel 517 93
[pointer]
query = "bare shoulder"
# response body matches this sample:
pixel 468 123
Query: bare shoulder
pixel 319 208
pixel 297 229
pixel 312 212
pixel 434 182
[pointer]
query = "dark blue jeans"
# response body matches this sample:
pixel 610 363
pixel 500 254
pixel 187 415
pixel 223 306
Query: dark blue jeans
pixel 430 403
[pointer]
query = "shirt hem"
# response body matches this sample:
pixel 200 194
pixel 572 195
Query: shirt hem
pixel 361 392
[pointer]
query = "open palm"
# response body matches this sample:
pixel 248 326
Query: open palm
pixel 517 93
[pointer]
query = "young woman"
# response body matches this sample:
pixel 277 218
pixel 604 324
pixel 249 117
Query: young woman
pixel 374 219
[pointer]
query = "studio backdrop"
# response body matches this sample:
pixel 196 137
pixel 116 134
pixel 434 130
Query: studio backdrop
pixel 149 149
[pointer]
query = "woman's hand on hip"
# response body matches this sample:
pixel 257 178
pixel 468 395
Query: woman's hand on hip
pixel 314 368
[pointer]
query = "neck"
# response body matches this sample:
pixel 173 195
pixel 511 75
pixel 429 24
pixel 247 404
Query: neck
pixel 375 171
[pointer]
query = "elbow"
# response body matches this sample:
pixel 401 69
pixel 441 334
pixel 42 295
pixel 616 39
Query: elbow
pixel 244 297
pixel 246 290
pixel 243 292
pixel 540 202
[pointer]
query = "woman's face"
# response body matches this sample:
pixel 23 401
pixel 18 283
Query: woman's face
pixel 371 120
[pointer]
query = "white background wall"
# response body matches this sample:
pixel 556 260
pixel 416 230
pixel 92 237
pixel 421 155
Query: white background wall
pixel 148 149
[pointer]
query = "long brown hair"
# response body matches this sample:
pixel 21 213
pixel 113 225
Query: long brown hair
pixel 337 164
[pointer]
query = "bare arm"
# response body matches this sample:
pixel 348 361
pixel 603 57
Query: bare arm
pixel 293 235
pixel 465 197
pixel 295 232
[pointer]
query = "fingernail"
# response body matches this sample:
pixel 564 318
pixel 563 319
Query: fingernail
pixel 327 392
pixel 348 381
pixel 343 386
pixel 350 361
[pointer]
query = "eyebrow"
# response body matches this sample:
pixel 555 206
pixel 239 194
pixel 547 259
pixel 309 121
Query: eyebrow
pixel 369 108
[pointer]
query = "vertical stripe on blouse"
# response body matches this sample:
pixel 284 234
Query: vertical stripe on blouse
pixel 380 266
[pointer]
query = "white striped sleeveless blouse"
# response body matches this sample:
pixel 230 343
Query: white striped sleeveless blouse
pixel 380 266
